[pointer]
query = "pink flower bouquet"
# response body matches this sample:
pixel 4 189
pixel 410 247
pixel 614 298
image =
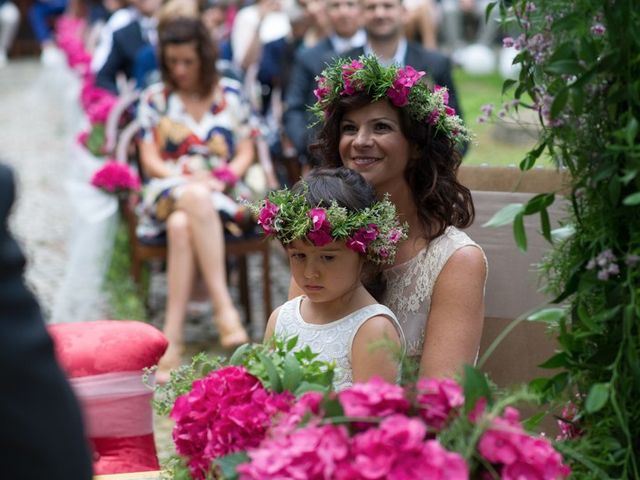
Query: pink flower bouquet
pixel 269 419
pixel 116 177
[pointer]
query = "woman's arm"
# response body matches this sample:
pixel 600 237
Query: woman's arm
pixel 245 155
pixel 375 351
pixel 454 326
pixel 151 161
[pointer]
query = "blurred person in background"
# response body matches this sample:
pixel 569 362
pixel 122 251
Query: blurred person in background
pixel 40 14
pixel 195 148
pixel 9 22
pixel 345 23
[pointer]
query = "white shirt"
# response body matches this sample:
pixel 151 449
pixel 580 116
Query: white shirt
pixel 398 57
pixel 342 44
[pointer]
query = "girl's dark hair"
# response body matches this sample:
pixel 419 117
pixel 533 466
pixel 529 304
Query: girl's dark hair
pixel 350 190
pixel 342 185
pixel 440 199
pixel 181 30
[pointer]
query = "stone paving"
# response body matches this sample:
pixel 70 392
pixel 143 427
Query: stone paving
pixel 37 129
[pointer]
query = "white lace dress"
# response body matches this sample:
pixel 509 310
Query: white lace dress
pixel 410 285
pixel 331 341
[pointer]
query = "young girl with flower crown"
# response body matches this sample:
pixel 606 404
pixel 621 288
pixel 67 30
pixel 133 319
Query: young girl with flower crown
pixel 335 232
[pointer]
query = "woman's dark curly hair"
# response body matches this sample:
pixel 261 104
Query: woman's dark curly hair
pixel 440 199
pixel 181 30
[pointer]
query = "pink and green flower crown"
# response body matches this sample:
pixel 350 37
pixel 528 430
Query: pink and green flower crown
pixel 373 232
pixel 403 86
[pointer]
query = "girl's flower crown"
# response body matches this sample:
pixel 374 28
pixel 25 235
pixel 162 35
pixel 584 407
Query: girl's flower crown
pixel 402 86
pixel 374 231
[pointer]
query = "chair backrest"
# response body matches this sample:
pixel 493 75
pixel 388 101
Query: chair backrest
pixel 512 283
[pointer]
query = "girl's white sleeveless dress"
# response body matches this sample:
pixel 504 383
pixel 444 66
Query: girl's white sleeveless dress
pixel 410 285
pixel 332 341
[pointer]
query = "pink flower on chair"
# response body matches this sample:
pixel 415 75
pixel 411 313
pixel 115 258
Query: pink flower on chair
pixel 266 217
pixel 115 177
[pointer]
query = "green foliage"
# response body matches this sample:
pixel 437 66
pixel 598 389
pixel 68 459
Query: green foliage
pixel 125 300
pixel 581 70
pixel 96 139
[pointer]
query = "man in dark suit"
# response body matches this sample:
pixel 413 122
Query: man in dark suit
pixel 383 22
pixel 127 43
pixel 42 433
pixel 345 19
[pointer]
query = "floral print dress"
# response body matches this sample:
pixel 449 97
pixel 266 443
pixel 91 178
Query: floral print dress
pixel 188 146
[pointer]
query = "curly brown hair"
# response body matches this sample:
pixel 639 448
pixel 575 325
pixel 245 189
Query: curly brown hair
pixel 181 30
pixel 441 200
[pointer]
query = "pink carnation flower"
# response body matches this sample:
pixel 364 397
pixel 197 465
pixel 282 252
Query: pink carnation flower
pixel 347 71
pixel 375 398
pixel 267 215
pixel 322 90
pixel 407 77
pixel 310 453
pixel 394 235
pixel 438 400
pixel 225 412
pixel 116 177
pixel 360 240
pixel 397 450
pixel 320 233
pixel 515 453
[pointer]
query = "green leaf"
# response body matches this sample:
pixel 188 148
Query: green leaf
pixel 475 387
pixel 332 407
pixel 505 215
pixel 559 102
pixel 238 356
pixel 531 157
pixel 547 315
pixel 292 375
pixel 631 131
pixel 556 361
pixel 305 387
pixel 519 233
pixel 533 421
pixel 272 372
pixel 538 203
pixel 539 386
pixel 292 342
pixel 507 84
pixel 545 225
pixel 614 190
pixel 228 464
pixel 597 398
pixel 564 67
pixel 632 200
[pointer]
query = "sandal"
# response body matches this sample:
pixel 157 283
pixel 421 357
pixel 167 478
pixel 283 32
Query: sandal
pixel 232 333
pixel 171 360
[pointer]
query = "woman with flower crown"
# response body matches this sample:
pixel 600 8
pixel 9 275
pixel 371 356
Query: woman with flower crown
pixel 336 233
pixel 400 134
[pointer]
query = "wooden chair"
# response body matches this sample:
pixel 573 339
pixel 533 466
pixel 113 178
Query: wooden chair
pixel 238 247
pixel 512 285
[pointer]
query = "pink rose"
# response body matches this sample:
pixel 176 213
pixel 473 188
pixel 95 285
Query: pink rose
pixel 267 216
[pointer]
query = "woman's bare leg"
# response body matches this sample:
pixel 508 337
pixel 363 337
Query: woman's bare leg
pixel 181 272
pixel 208 242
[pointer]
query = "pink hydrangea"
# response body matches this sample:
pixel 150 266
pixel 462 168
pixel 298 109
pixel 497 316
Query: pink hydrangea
pixel 375 398
pixel 116 177
pixel 514 452
pixel 360 240
pixel 347 71
pixel 438 399
pixel 267 216
pixel 397 450
pixel 307 404
pixel 310 453
pixel 225 412
pixel 399 91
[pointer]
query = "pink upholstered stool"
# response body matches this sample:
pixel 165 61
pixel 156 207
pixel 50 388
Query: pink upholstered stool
pixel 104 361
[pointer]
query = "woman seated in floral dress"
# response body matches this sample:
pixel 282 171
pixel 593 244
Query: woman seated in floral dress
pixel 195 147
